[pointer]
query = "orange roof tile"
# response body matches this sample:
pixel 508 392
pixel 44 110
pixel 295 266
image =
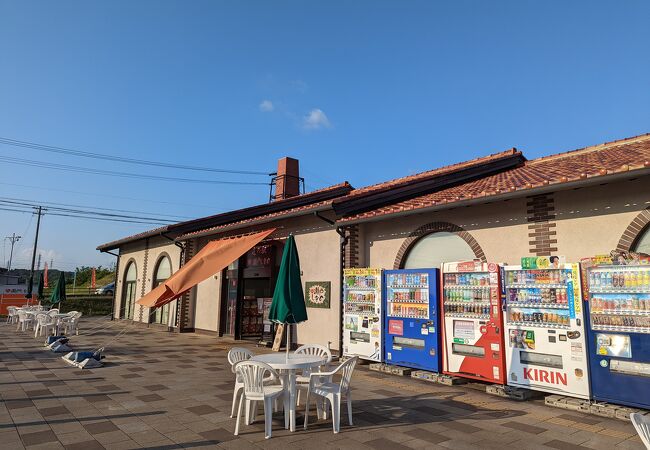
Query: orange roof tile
pixel 617 156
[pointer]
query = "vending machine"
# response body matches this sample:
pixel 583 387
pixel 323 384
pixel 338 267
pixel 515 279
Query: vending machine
pixel 362 313
pixel 411 323
pixel 545 327
pixel 617 288
pixel 472 322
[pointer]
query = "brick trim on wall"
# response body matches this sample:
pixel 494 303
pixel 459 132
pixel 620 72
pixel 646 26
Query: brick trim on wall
pixel 435 227
pixel 540 214
pixel 183 305
pixel 351 256
pixel 143 288
pixel 634 231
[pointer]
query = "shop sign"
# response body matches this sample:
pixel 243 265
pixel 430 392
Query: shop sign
pixel 318 294
pixel 260 256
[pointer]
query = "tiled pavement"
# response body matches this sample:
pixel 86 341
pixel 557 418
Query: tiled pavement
pixel 163 391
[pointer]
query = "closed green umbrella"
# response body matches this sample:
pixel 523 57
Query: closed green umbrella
pixel 58 294
pixel 39 291
pixel 288 305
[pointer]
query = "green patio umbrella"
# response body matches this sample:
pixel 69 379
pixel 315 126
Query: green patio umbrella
pixel 288 305
pixel 58 294
pixel 39 291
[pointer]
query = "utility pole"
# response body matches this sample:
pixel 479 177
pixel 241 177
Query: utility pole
pixel 13 239
pixel 31 272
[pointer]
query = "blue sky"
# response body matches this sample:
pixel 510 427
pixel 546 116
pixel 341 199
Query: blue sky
pixel 361 91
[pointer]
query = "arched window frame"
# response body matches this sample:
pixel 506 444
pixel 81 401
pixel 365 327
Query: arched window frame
pixel 129 286
pixel 435 227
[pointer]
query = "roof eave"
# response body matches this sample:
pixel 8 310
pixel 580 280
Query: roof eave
pixel 523 192
pixel 236 226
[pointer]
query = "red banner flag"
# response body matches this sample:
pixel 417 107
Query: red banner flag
pixel 45 284
pixel 93 280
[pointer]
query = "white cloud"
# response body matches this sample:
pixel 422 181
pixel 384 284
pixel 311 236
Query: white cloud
pixel 267 106
pixel 315 120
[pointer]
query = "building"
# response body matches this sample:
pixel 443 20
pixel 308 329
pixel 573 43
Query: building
pixel 495 208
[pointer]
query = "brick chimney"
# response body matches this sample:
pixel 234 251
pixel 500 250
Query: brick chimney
pixel 287 180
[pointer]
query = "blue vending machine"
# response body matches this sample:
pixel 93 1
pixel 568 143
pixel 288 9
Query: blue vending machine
pixel 411 321
pixel 618 332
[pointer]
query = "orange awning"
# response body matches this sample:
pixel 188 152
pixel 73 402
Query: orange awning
pixel 212 258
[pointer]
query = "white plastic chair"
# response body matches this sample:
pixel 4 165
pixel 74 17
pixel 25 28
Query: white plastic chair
pixel 332 392
pixel 256 388
pixel 236 355
pixel 25 319
pixel 302 380
pixel 12 314
pixel 71 322
pixel 44 322
pixel 642 426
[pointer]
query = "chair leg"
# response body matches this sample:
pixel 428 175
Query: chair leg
pixel 241 401
pixel 336 412
pixel 349 400
pixel 234 402
pixel 268 417
pixel 306 410
pixel 298 399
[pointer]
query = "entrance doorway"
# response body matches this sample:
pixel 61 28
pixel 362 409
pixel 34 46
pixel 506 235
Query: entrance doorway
pixel 248 285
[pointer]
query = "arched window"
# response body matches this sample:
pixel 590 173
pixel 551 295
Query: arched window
pixel 642 244
pixel 129 290
pixel 162 271
pixel 432 250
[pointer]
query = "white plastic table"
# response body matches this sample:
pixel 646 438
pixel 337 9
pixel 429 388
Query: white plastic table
pixel 287 369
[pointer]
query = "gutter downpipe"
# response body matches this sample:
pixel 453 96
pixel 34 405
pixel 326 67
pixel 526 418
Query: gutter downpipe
pixel 117 271
pixel 180 264
pixel 343 241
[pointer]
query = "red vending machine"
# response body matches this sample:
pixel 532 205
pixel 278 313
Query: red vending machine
pixel 472 321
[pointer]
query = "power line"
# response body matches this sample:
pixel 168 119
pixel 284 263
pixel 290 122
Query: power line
pixel 67 168
pixel 121 219
pixel 106 195
pixel 95 207
pixel 69 151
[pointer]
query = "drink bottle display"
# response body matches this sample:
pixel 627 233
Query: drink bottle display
pixel 545 327
pixel 362 313
pixel 472 321
pixel 618 293
pixel 411 322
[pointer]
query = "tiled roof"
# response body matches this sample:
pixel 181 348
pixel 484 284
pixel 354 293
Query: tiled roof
pixel 258 219
pixel 386 185
pixel 278 208
pixel 145 234
pixel 613 157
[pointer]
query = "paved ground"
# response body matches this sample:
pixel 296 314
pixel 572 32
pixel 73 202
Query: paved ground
pixel 160 391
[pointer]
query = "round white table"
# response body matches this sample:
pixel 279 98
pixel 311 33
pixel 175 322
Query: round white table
pixel 287 369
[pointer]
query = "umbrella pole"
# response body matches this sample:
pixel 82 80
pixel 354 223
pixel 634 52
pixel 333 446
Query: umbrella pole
pixel 288 339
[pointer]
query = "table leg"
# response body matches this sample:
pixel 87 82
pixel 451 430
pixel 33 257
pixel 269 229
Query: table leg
pixel 292 400
pixel 286 401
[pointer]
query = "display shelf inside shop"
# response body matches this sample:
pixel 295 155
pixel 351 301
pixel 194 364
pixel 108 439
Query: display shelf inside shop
pixel 537 305
pixel 536 286
pixel 467 315
pixel 537 324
